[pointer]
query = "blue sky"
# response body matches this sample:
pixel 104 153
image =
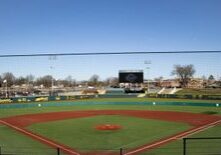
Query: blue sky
pixel 63 26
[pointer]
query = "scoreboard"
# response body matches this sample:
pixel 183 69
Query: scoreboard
pixel 130 76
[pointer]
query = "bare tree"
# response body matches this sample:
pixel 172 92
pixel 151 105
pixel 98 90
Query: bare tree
pixel 30 78
pixel 112 81
pixel 45 80
pixel 70 81
pixel 94 79
pixel 20 80
pixel 9 77
pixel 184 73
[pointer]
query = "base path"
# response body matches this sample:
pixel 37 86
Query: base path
pixel 198 121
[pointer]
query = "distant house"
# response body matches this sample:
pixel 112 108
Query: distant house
pixel 216 84
pixel 170 83
pixel 196 83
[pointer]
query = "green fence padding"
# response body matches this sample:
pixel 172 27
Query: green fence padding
pixel 187 96
pixel 74 103
pixel 26 102
pixel 43 99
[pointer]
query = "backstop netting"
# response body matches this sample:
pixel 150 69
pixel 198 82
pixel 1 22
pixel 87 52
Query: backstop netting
pixel 202 146
pixel 59 77
pixel 51 72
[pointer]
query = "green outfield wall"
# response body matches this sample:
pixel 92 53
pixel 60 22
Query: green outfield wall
pixel 22 102
pixel 43 99
pixel 187 96
pixel 81 102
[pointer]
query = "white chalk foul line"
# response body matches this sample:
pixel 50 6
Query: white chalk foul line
pixel 179 136
pixel 39 138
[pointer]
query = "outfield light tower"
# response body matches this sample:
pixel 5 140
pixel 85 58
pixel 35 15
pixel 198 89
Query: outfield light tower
pixel 52 81
pixel 51 58
pixel 147 63
pixel 6 88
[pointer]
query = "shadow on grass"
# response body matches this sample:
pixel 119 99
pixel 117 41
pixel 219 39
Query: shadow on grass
pixel 210 112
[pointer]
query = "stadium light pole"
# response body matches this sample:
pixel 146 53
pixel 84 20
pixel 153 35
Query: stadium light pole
pixel 52 82
pixel 6 88
pixel 52 67
pixel 147 63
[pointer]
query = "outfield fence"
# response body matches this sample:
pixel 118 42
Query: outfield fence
pixel 43 99
pixel 185 96
pixel 77 97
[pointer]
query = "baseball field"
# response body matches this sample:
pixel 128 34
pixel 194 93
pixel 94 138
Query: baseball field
pixel 144 126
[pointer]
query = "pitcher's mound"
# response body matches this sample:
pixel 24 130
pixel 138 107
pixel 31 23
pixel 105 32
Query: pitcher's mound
pixel 108 127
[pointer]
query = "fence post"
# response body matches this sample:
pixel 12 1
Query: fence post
pixel 0 150
pixel 121 151
pixel 184 146
pixel 58 151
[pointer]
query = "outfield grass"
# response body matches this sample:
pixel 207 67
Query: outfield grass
pixel 21 111
pixel 81 133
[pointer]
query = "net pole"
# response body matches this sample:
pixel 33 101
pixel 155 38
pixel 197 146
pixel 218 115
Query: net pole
pixel 184 146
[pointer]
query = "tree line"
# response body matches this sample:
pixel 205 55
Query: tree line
pixel 48 80
pixel 183 72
